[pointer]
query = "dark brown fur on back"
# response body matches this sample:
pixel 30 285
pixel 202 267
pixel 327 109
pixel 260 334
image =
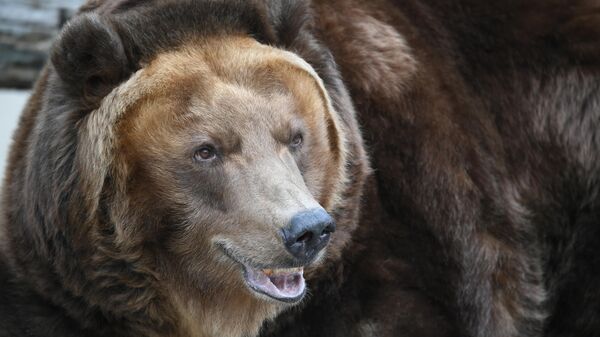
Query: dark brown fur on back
pixel 481 215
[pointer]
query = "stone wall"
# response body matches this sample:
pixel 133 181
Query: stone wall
pixel 27 29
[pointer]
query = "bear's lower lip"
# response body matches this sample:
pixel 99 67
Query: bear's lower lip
pixel 285 285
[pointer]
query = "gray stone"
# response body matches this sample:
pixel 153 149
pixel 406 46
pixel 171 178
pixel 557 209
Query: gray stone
pixel 27 29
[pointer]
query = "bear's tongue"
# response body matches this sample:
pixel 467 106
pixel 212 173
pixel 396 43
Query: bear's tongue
pixel 281 284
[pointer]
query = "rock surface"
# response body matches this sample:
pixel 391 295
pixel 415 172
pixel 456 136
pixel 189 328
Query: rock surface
pixel 27 29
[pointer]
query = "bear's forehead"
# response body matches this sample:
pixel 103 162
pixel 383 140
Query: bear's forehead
pixel 232 60
pixel 234 75
pixel 232 86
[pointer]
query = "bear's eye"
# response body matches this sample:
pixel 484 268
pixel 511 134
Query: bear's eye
pixel 205 153
pixel 297 141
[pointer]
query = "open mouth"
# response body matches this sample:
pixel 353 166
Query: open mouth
pixel 281 284
pixel 286 285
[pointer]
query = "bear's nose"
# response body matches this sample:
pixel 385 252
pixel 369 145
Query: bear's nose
pixel 308 233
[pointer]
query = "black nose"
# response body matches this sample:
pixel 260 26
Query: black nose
pixel 308 233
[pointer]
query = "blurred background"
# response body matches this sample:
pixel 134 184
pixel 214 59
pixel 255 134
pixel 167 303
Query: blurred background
pixel 27 29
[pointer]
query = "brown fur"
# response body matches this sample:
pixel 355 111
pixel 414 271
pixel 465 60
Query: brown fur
pixel 139 209
pixel 157 126
pixel 480 217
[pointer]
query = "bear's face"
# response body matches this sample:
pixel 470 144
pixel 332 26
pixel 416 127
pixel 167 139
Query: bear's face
pixel 230 157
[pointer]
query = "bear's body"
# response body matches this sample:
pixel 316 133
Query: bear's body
pixel 480 217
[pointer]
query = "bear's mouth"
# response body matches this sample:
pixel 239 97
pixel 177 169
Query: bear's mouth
pixel 281 284
pixel 286 285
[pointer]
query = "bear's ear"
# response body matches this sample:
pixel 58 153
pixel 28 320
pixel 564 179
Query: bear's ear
pixel 90 59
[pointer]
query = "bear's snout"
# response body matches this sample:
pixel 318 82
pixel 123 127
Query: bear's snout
pixel 308 233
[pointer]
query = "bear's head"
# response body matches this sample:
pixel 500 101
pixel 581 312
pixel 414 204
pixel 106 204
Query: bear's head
pixel 228 154
pixel 207 179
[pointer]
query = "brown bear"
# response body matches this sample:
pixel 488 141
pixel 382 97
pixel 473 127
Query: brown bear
pixel 196 168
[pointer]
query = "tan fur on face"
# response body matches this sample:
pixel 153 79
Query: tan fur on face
pixel 139 132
